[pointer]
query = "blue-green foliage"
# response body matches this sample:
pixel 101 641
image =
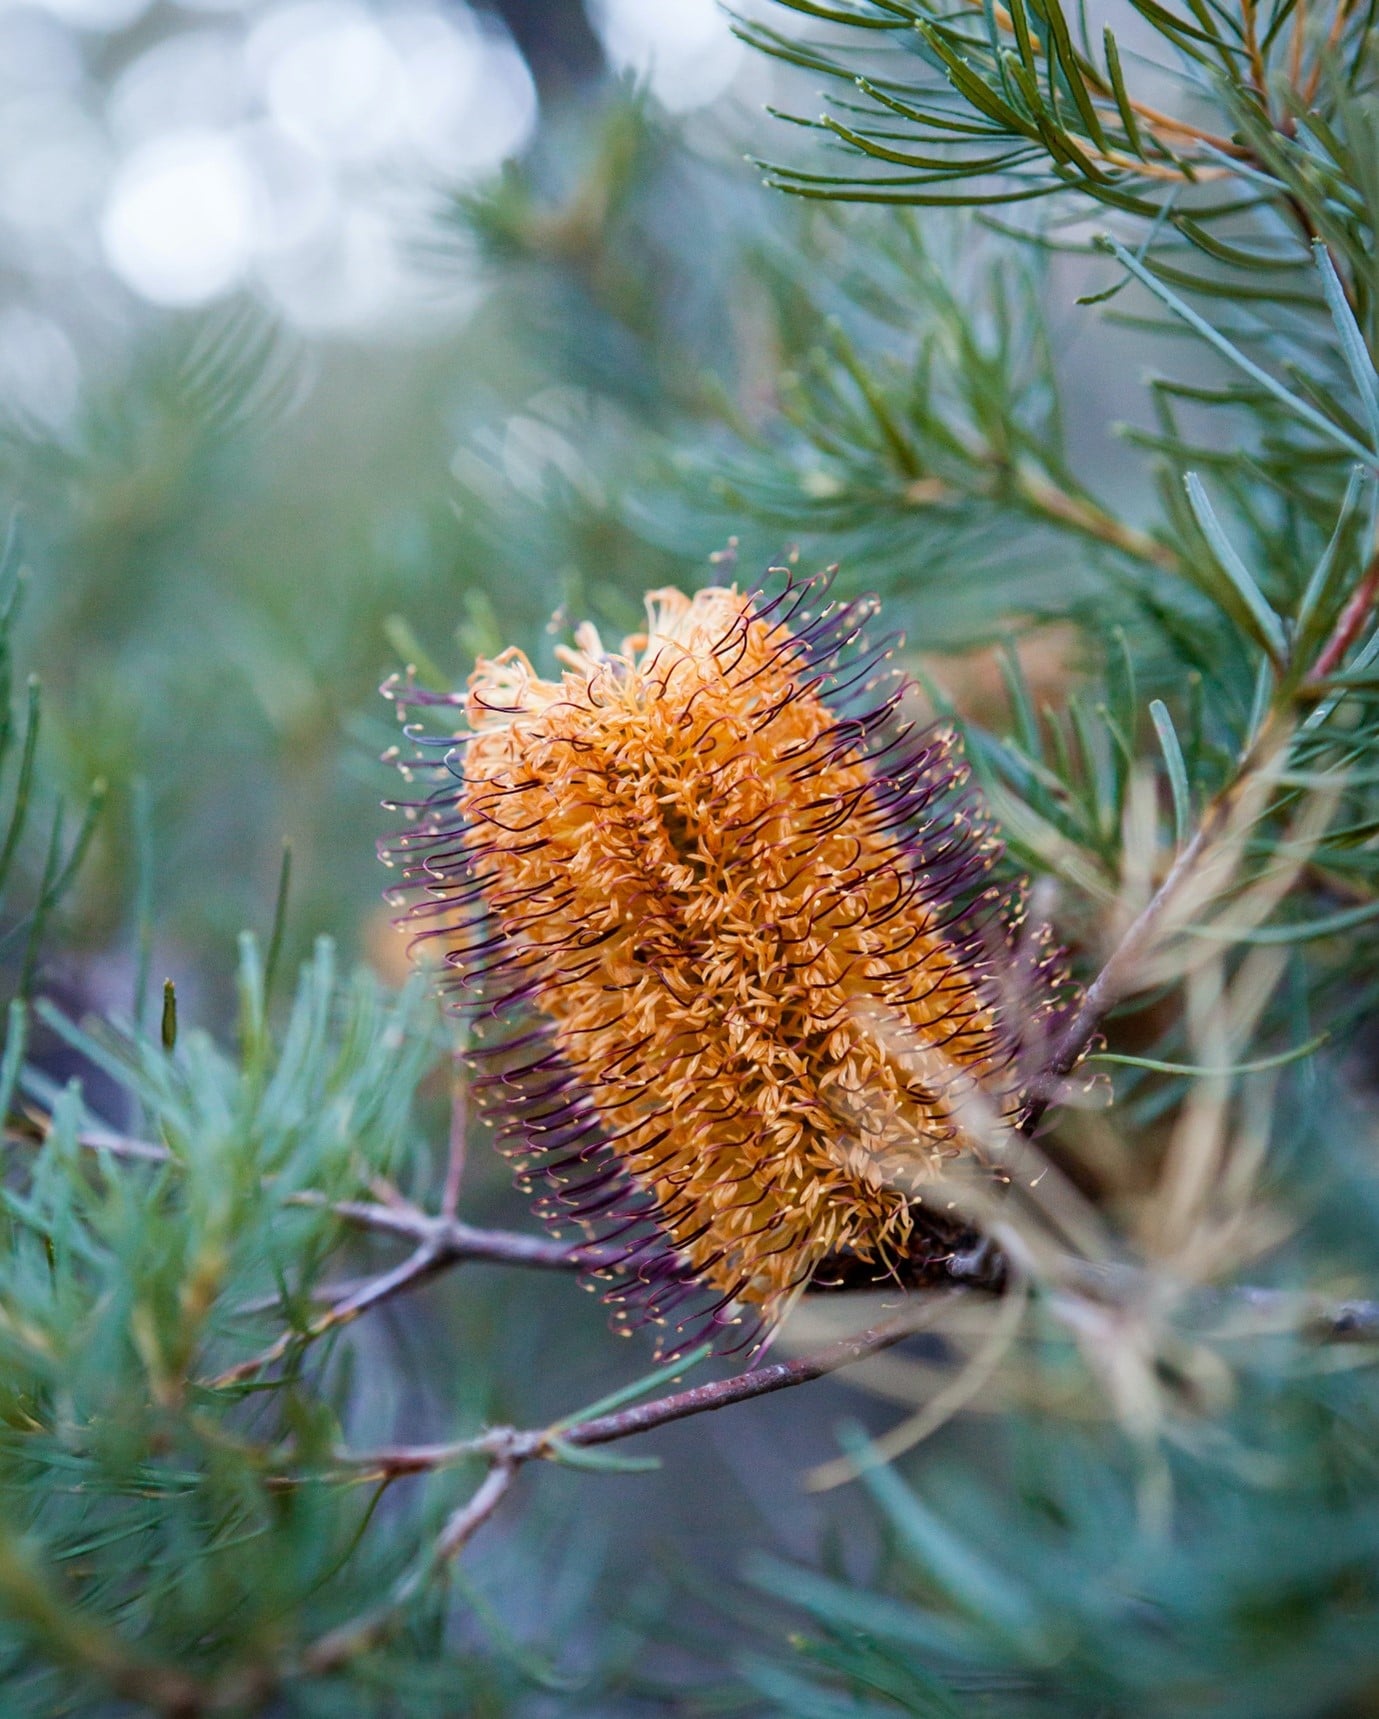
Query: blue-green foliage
pixel 144 1504
pixel 1259 1599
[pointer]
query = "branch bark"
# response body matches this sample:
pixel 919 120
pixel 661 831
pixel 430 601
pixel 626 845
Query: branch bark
pixel 519 1445
pixel 1347 629
pixel 1341 1322
pixel 329 1652
pixel 442 1242
pixel 1114 979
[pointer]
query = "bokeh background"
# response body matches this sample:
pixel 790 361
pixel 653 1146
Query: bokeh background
pixel 265 402
pixel 336 336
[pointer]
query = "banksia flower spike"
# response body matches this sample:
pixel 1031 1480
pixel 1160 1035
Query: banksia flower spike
pixel 721 916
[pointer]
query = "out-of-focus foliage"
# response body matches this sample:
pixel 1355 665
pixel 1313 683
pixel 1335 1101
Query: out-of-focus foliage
pixel 28 809
pixel 1270 1610
pixel 174 1532
pixel 1227 1563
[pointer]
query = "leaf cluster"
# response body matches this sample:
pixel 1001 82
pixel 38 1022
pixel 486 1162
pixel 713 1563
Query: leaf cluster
pixel 166 1535
pixel 1266 1610
pixel 984 106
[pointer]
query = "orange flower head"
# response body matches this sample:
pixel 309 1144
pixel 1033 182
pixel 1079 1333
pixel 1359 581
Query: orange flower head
pixel 721 917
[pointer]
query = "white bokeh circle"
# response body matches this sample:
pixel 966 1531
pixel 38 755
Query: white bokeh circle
pixel 684 50
pixel 178 225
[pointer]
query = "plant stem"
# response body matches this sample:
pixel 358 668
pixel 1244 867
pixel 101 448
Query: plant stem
pixel 1352 618
pixel 1112 981
pixel 518 1445
pixel 1082 514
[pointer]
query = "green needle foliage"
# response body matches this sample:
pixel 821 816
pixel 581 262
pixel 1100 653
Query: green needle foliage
pixel 176 1531
pixel 143 1507
pixel 25 809
pixel 1220 1556
pixel 1268 1611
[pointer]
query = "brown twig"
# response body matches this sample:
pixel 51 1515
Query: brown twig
pixel 1079 513
pixel 1114 979
pixel 1347 629
pixel 506 1450
pixel 1110 983
pixel 1329 1322
pixel 1333 40
pixel 1297 42
pixel 349 1640
pixel 1340 1322
pixel 413 1270
pixel 518 1445
pixel 442 1242
pixel 98 1140
pixel 1101 995
pixel 455 1242
pixel 1152 119
pixel 1258 75
pixel 248 1687
pixel 447 1244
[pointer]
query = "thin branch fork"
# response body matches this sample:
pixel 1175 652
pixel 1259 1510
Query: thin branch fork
pixel 1116 974
pixel 507 1449
pixel 441 1242
pixel 249 1687
pixel 452 1241
pixel 329 1652
pixel 518 1445
pixel 1109 984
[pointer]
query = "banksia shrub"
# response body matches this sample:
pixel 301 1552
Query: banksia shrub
pixel 720 910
